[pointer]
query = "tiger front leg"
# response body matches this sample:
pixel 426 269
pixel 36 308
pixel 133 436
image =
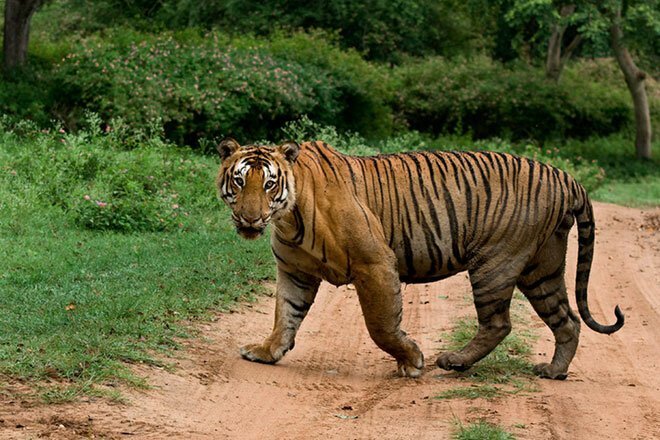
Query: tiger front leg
pixel 379 291
pixel 295 295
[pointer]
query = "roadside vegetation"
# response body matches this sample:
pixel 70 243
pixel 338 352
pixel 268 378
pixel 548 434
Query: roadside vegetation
pixel 107 254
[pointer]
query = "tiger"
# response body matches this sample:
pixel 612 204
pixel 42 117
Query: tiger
pixel 377 222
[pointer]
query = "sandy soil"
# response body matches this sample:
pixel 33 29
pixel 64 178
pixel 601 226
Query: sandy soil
pixel 337 385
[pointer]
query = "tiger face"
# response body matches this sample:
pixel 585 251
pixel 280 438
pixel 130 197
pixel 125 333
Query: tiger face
pixel 256 182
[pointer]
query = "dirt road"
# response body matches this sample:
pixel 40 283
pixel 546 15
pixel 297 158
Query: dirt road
pixel 337 385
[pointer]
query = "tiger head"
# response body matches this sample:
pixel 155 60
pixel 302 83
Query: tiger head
pixel 256 182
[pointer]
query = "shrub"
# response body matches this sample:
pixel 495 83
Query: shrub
pixel 206 86
pixel 153 187
pixel 363 89
pixel 24 94
pixel 487 99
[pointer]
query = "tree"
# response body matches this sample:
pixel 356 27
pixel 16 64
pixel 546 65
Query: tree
pixel 556 57
pixel 551 21
pixel 635 80
pixel 18 14
pixel 613 25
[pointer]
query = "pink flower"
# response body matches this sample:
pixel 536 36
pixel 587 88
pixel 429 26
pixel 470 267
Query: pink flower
pixel 101 204
pixel 86 197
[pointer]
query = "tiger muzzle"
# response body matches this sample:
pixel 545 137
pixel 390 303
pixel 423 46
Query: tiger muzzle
pixel 248 227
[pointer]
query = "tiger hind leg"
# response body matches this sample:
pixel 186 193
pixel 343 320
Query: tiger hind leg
pixel 543 284
pixel 492 298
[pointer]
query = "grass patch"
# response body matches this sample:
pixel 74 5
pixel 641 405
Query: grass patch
pixel 82 301
pixel 641 192
pixel 482 430
pixel 472 392
pixel 628 181
pixel 506 370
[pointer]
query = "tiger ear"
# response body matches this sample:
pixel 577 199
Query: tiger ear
pixel 227 147
pixel 290 150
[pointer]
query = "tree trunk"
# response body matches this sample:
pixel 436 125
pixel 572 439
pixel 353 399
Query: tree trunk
pixel 556 60
pixel 17 30
pixel 635 81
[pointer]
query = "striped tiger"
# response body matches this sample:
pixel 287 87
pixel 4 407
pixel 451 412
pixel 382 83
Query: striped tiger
pixel 414 217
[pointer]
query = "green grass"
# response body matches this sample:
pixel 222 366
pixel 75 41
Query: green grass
pixel 641 192
pixel 81 305
pixel 482 430
pixel 506 370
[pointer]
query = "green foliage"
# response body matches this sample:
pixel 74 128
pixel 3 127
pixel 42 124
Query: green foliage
pixel 532 22
pixel 150 188
pixel 78 304
pixel 22 94
pixel 482 430
pixel 381 30
pixel 624 176
pixel 487 99
pixel 362 90
pixel 207 86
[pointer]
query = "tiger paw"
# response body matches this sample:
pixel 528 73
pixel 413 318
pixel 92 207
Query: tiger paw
pixel 452 361
pixel 257 353
pixel 549 371
pixel 407 370
pixel 411 367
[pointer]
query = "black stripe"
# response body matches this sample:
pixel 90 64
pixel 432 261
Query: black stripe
pixel 556 326
pixel 431 175
pixel 297 281
pixel 557 273
pixel 326 160
pixel 498 310
pixel 278 258
pixel 588 240
pixel 545 295
pixel 529 269
pixel 407 246
pixel 453 223
pixel 301 308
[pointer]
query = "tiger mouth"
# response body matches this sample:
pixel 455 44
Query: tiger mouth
pixel 250 232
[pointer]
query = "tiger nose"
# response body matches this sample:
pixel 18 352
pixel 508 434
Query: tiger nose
pixel 251 219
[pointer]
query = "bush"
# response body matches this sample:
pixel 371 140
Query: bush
pixel 488 99
pixel 24 94
pixel 100 186
pixel 210 86
pixel 378 29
